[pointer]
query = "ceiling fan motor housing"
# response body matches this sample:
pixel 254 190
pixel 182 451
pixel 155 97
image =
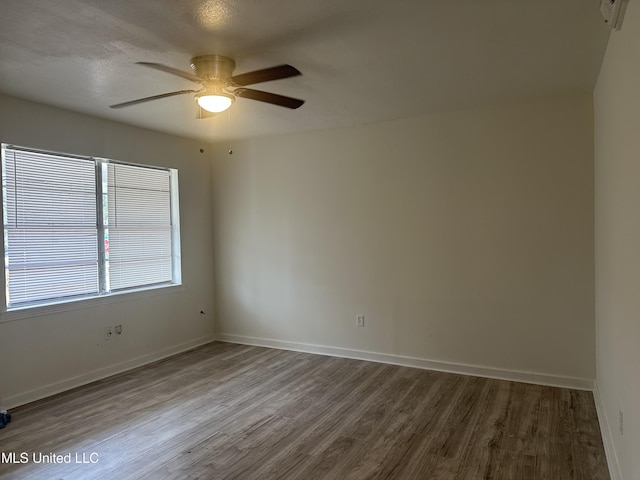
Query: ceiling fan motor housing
pixel 213 67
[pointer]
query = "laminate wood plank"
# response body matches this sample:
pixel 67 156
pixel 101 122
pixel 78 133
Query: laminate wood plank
pixel 227 411
pixel 329 460
pixel 326 428
pixel 452 436
pixel 439 407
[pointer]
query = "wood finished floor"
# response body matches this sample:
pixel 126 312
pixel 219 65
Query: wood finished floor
pixel 227 411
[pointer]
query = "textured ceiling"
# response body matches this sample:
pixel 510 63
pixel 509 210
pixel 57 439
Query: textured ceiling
pixel 362 61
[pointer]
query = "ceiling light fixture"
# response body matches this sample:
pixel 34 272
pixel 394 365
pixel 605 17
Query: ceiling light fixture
pixel 215 102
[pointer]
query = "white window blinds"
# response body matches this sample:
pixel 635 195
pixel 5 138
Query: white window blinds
pixel 139 217
pixel 50 226
pixel 77 227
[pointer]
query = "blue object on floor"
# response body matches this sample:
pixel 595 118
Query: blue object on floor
pixel 4 419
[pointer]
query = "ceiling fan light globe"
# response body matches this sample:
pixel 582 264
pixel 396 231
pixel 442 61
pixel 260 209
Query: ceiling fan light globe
pixel 215 103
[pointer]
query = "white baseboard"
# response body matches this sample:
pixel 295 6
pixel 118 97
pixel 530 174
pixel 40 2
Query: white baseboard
pixel 98 374
pixel 474 370
pixel 607 436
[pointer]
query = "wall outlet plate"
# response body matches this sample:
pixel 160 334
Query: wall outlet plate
pixel 108 333
pixel 360 321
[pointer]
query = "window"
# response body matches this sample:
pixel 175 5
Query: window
pixel 78 227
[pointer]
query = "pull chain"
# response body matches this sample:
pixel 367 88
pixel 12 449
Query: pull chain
pixel 229 131
pixel 201 126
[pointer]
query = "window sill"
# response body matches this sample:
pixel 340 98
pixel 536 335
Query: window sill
pixel 79 304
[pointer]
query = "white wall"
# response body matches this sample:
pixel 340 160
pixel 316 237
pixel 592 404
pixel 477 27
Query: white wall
pixel 617 242
pixel 44 354
pixel 463 237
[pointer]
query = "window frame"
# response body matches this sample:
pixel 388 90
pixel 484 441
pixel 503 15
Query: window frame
pixel 60 304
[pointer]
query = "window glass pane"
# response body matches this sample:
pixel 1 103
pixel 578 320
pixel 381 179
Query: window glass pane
pixel 140 251
pixel 51 264
pixel 139 257
pixel 50 226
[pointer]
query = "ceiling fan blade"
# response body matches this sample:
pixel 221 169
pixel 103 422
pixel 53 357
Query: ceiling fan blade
pixel 174 71
pixel 265 75
pixel 154 97
pixel 267 97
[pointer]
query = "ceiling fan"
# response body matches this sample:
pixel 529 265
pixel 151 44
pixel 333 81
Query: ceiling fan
pixel 219 87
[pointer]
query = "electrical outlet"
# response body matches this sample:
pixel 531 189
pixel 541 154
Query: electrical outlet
pixel 360 321
pixel 108 333
pixel 118 329
pixel 621 422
